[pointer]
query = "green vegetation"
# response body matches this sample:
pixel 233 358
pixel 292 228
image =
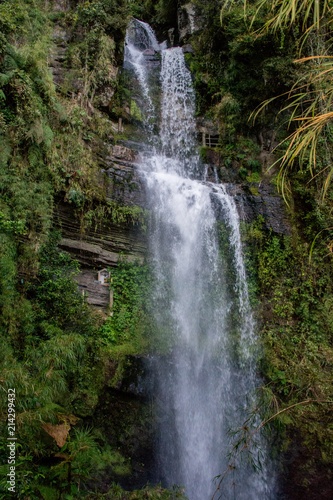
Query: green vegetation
pixel 294 313
pixel 132 285
pixel 151 492
pixel 118 214
pixel 53 360
pixel 265 60
pixel 55 353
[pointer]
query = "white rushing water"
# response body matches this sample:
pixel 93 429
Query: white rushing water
pixel 140 38
pixel 201 298
pixel 177 117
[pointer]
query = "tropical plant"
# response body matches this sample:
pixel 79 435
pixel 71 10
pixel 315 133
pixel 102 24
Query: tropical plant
pixel 310 105
pixel 307 15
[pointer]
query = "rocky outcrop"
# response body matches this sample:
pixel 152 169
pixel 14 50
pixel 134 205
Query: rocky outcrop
pixel 252 199
pixel 260 199
pixel 58 54
pixel 90 254
pixel 121 167
pixel 94 292
pixel 264 203
pixel 188 21
pixel 61 37
pixel 97 247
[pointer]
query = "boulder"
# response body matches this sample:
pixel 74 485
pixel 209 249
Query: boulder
pixel 188 49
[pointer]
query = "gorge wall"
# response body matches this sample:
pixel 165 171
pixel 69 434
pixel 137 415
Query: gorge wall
pixel 70 191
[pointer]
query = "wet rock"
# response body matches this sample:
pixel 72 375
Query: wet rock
pixel 188 21
pixel 135 146
pixel 97 246
pixel 261 199
pixel 149 52
pixel 151 59
pixel 252 199
pixel 58 54
pixel 89 254
pixel 171 36
pixel 123 153
pixel 121 167
pixel 188 49
pixel 213 157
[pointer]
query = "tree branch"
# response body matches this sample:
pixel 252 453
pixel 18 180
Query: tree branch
pixel 264 422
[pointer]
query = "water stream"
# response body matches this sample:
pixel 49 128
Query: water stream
pixel 202 302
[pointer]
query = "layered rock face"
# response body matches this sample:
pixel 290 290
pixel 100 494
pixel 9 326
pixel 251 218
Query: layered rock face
pixel 121 167
pixel 265 203
pixel 96 248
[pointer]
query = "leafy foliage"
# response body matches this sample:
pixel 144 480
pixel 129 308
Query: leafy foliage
pixel 234 67
pixel 296 318
pixel 131 322
pixel 55 351
pixel 52 354
pixel 309 146
pixel 308 14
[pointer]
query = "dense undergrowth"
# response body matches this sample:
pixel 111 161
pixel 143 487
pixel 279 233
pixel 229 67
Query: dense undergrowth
pixel 55 351
pixel 295 320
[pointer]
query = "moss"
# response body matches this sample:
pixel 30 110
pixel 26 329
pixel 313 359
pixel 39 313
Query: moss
pixel 135 111
pixel 253 189
pixel 295 333
pixel 254 177
pixel 203 154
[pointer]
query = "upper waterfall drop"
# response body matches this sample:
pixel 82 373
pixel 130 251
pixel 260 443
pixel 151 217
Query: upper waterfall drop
pixel 140 39
pixel 178 106
pixel 142 36
pixel 201 297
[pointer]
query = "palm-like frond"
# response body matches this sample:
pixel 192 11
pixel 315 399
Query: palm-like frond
pixel 307 15
pixel 286 13
pixel 311 108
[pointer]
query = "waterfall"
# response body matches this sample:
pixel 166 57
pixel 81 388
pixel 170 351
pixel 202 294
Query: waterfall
pixel 177 120
pixel 139 39
pixel 201 299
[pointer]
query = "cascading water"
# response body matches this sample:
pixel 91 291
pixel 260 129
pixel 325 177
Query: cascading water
pixel 140 39
pixel 201 298
pixel 177 120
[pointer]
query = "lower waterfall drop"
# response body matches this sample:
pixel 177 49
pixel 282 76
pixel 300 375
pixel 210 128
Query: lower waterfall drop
pixel 202 302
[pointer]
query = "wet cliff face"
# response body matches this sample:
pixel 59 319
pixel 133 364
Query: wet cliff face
pixel 81 139
pixel 96 245
pixel 253 199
